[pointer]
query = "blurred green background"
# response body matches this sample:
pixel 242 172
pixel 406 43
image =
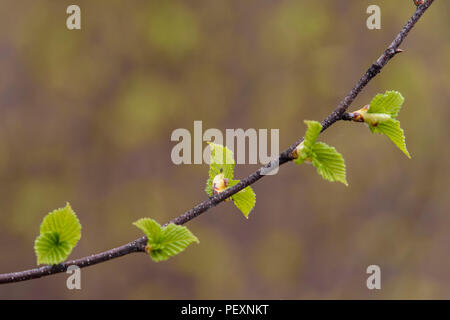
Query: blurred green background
pixel 86 117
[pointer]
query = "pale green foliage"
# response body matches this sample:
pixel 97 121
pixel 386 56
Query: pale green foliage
pixel 50 249
pixel 328 162
pixel 381 118
pixel 390 103
pixel 391 128
pixel 59 233
pixel 244 200
pixel 165 242
pixel 312 133
pixel 222 160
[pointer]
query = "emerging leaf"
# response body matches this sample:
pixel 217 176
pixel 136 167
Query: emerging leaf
pixel 50 249
pixel 60 232
pixel 65 222
pixel 390 103
pixel 151 229
pixel 165 242
pixel 221 173
pixel 244 200
pixel 222 158
pixel 303 151
pixel 394 132
pixel 313 131
pixel 380 117
pixel 329 163
pixel 222 161
pixel 302 154
pixel 373 119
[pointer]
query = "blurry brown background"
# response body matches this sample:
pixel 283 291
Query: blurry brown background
pixel 86 117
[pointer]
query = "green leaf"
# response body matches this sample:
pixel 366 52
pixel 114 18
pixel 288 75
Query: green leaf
pixel 380 117
pixel 302 153
pixel 151 229
pixel 244 200
pixel 313 131
pixel 391 128
pixel 165 242
pixel 304 149
pixel 50 249
pixel 60 232
pixel 222 160
pixel 389 103
pixel 329 163
pixel 65 222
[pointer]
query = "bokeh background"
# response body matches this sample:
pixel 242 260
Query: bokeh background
pixel 86 117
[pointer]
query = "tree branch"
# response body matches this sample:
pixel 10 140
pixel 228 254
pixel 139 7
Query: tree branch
pixel 139 245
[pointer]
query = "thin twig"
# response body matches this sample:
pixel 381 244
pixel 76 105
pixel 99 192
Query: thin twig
pixel 139 245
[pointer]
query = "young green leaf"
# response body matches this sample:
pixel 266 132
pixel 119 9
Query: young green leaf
pixel 164 242
pixel 151 229
pixel 221 161
pixel 302 154
pixel 380 117
pixel 60 232
pixel 394 132
pixel 50 249
pixel 303 150
pixel 390 103
pixel 65 222
pixel 329 163
pixel 221 173
pixel 222 158
pixel 312 133
pixel 244 200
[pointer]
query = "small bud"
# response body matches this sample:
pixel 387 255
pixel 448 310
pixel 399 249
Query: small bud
pixel 419 2
pixel 220 183
pixel 297 150
pixel 374 119
pixel 358 115
pixel 298 153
